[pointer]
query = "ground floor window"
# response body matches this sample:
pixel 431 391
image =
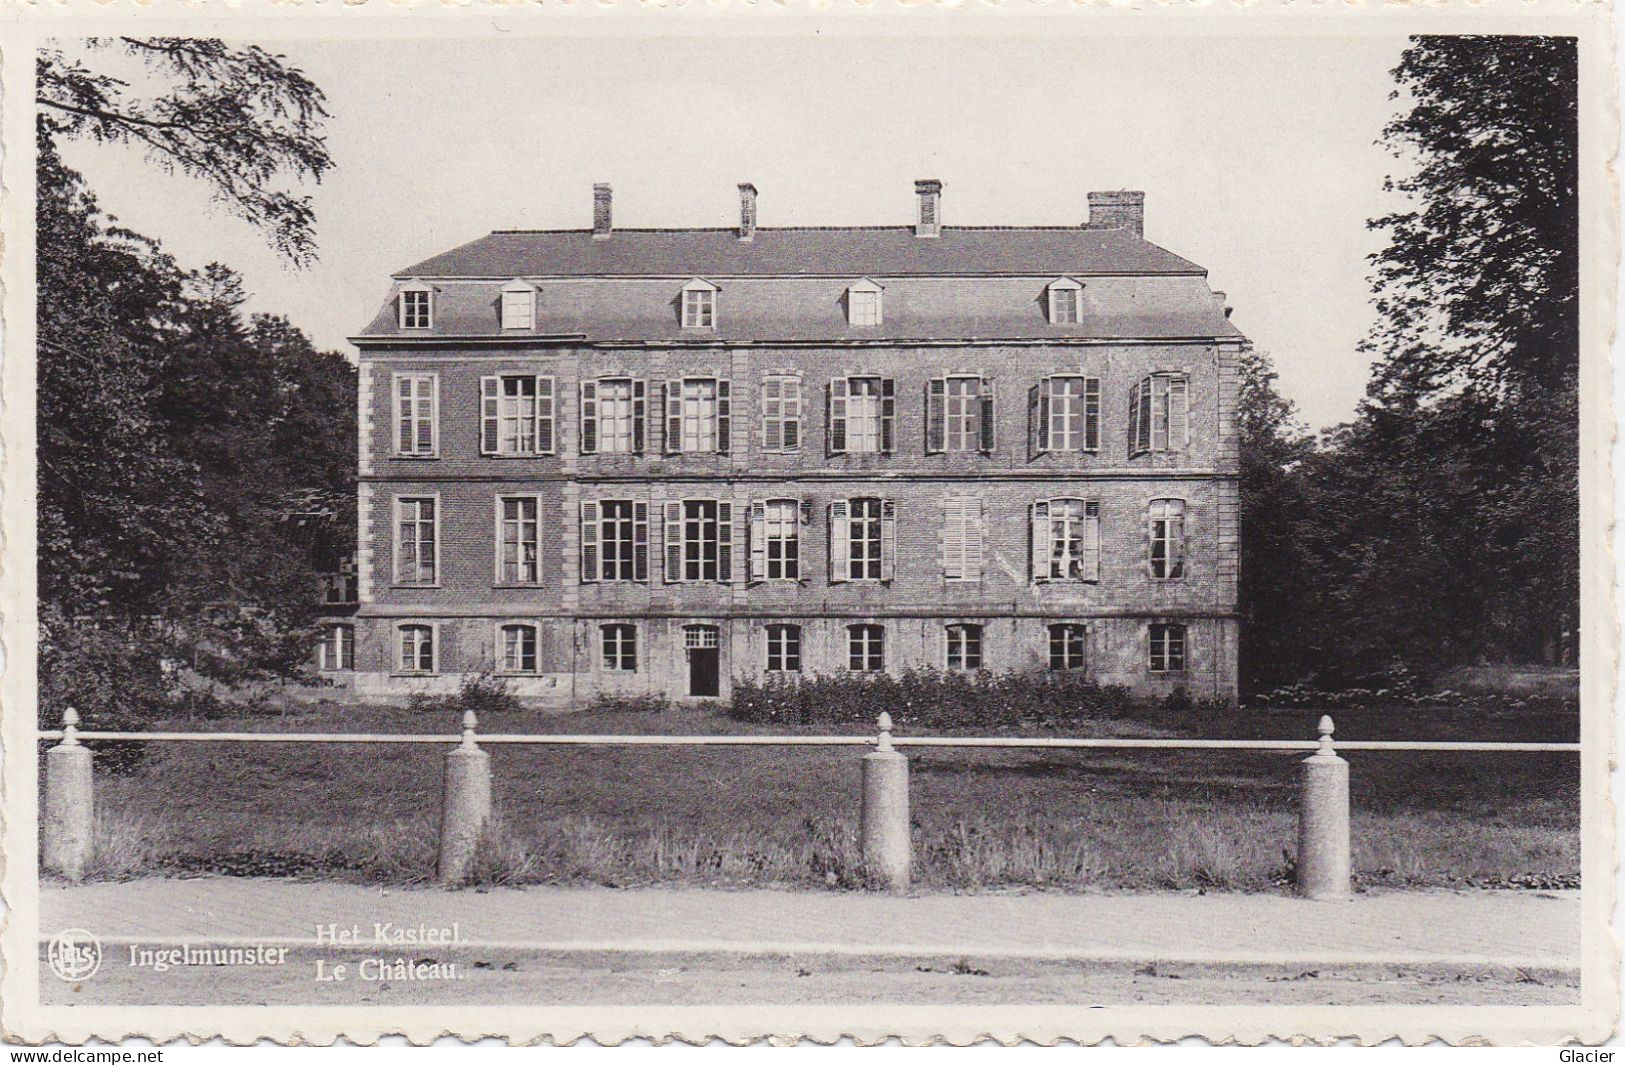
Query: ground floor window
pixel 866 648
pixel 784 648
pixel 964 647
pixel 1167 648
pixel 337 648
pixel 518 643
pixel 417 648
pixel 620 647
pixel 1066 644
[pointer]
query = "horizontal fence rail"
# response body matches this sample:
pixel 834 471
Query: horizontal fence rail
pixel 1035 742
pixel 1322 868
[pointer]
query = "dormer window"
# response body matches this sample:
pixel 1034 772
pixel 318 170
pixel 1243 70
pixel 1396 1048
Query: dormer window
pixel 518 305
pixel 863 305
pixel 417 307
pixel 1065 302
pixel 699 305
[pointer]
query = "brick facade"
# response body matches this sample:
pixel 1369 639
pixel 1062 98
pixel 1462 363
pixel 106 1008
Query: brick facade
pixel 1181 331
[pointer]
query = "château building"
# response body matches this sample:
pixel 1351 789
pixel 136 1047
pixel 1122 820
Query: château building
pixel 655 461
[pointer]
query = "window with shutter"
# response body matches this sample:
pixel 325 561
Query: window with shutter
pixel 416 416
pixel 1040 540
pixel 758 540
pixel 775 540
pixel 545 415
pixel 615 540
pixel 888 540
pixel 640 541
pixel 1161 413
pixel 1070 541
pixel 962 539
pixel 725 542
pixel 617 415
pixel 724 416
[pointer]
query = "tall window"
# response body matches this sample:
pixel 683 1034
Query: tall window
pixel 416 540
pixel 959 414
pixel 612 416
pixel 518 648
pixel 518 540
pixel 1065 302
pixel 620 647
pixel 1066 540
pixel 862 539
pixel 416 308
pixel 962 538
pixel 518 306
pixel 1167 648
pixel 781 413
pixel 1159 413
pixel 699 308
pixel 1066 646
pixel 698 415
pixel 964 647
pixel 775 545
pixel 866 648
pixel 416 397
pixel 784 648
pixel 615 540
pixel 416 649
pixel 1067 415
pixel 337 648
pixel 699 540
pixel 1167 529
pixel 516 415
pixel 862 415
pixel 863 304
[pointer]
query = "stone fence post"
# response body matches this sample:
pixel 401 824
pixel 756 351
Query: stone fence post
pixel 1323 822
pixel 70 803
pixel 465 806
pixel 887 851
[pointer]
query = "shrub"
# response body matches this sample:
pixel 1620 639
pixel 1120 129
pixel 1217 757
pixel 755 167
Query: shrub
pixel 484 692
pixel 928 699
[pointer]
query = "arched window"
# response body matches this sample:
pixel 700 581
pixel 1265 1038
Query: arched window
pixel 417 651
pixel 516 647
pixel 337 648
pixel 964 647
pixel 866 648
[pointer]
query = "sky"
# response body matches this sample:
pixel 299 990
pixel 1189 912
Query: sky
pixel 1258 157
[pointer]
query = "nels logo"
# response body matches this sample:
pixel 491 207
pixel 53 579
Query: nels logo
pixel 74 955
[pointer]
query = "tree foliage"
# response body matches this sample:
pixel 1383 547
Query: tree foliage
pixel 191 460
pixel 239 118
pixel 1441 526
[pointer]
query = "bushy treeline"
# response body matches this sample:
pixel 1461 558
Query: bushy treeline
pixel 194 464
pixel 1440 527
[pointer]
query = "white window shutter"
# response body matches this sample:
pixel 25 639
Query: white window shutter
pixel 953 539
pixel 888 539
pixel 773 414
pixel 674 542
pixel 674 416
pixel 725 541
pixel 490 427
pixel 640 541
pixel 1041 544
pixel 589 417
pixel 1038 417
pixel 936 417
pixel 791 428
pixel 1179 412
pixel 758 540
pixel 840 541
pixel 1091 541
pixel 544 415
pixel 589 542
pixel 972 517
pixel 1091 413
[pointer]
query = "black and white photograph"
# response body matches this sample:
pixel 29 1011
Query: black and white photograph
pixel 728 524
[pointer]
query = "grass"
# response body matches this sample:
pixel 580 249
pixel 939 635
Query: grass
pixel 984 819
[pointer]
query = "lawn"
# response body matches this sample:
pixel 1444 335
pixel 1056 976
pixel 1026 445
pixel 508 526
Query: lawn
pixel 983 819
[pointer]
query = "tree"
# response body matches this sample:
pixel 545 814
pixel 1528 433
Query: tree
pixel 238 118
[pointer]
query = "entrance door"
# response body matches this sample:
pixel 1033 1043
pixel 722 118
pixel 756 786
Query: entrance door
pixel 703 666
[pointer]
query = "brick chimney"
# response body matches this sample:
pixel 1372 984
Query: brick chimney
pixel 747 211
pixel 1117 210
pixel 928 223
pixel 600 212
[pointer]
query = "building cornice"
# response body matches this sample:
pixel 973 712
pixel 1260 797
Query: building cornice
pixel 451 345
pixel 808 609
pixel 818 476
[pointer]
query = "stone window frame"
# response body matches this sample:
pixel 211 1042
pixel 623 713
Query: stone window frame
pixel 500 647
